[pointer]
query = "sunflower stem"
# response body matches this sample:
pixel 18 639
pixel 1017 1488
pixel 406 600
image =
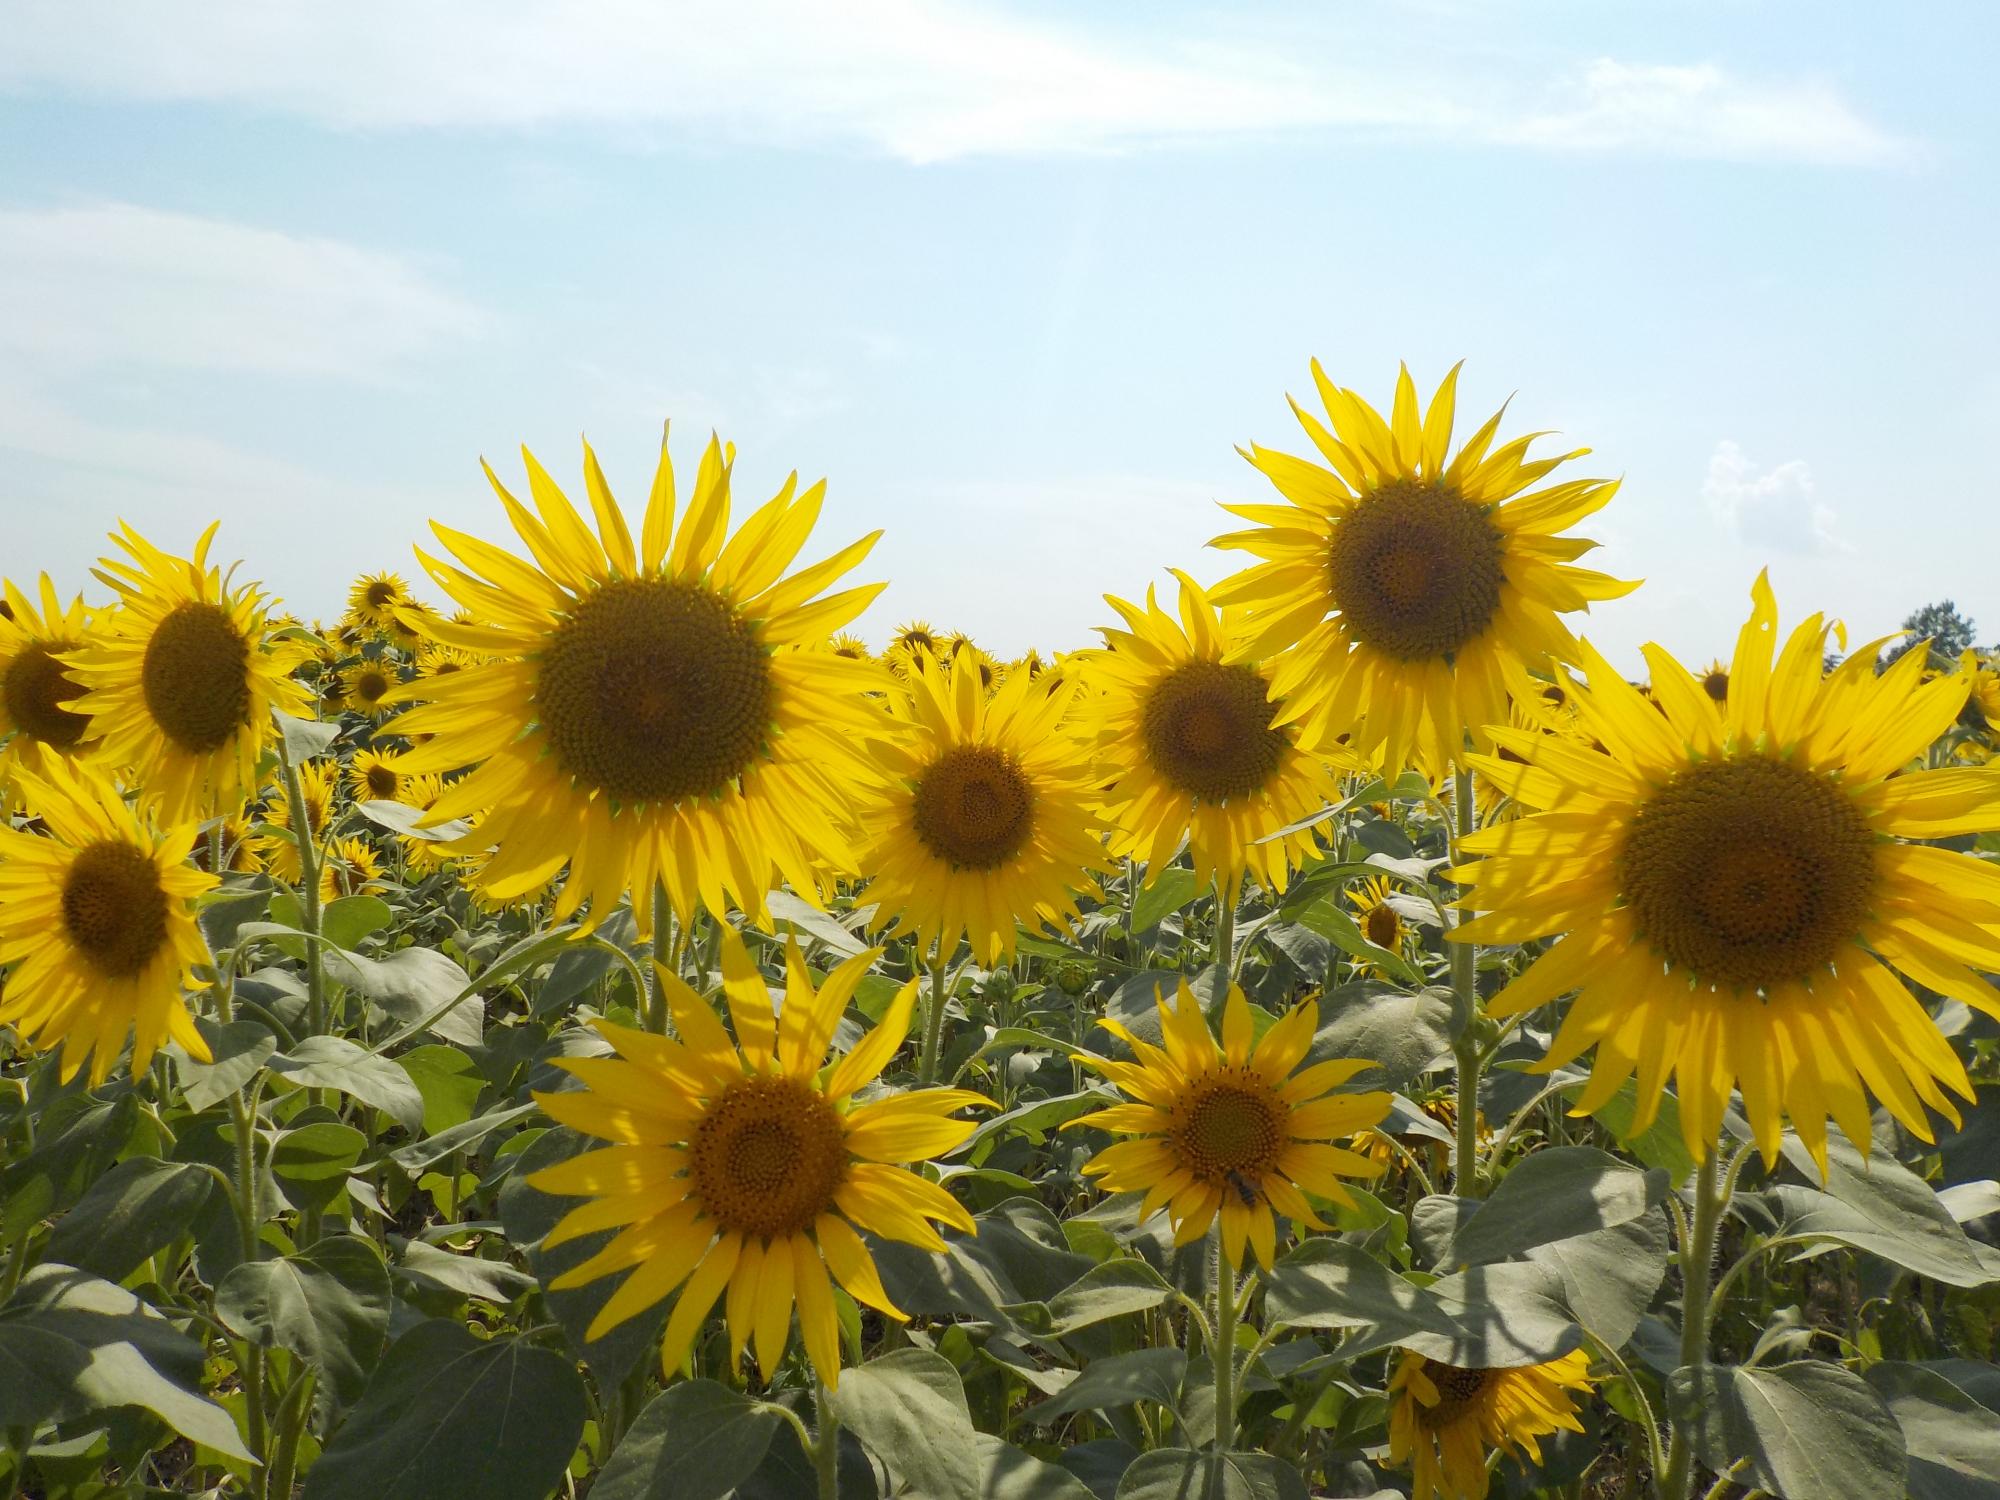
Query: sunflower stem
pixel 1711 1196
pixel 1225 924
pixel 1223 1350
pixel 655 995
pixel 1465 1008
pixel 927 1063
pixel 826 1445
pixel 295 798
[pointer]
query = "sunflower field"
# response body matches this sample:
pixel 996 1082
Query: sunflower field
pixel 615 1032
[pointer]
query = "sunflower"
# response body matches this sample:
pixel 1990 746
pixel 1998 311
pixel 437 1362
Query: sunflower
pixel 1186 738
pixel 1414 589
pixel 746 1167
pixel 1376 914
pixel 239 849
pixel 1235 1129
pixel 984 821
pixel 641 716
pixel 373 601
pixel 434 659
pixel 97 922
pixel 421 792
pixel 1985 700
pixel 366 688
pixel 916 638
pixel 317 783
pixel 180 680
pixel 1444 1420
pixel 852 646
pixel 376 776
pixel 1714 681
pixel 1736 888
pixel 35 687
pixel 345 868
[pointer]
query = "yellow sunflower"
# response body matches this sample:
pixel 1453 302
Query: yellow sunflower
pixel 345 868
pixel 746 1168
pixel 1736 888
pixel 642 715
pixel 317 783
pixel 1414 585
pixel 373 601
pixel 984 821
pixel 850 645
pixel 376 776
pixel 1237 1130
pixel 421 792
pixel 1714 681
pixel 434 659
pixel 1444 1420
pixel 97 925
pixel 1185 735
pixel 367 686
pixel 180 680
pixel 1375 914
pixel 1986 695
pixel 35 688
pixel 239 849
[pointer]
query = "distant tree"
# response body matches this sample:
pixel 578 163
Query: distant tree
pixel 1948 631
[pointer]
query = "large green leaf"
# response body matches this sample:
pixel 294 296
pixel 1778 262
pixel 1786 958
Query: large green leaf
pixel 238 1050
pixel 328 1304
pixel 1505 1315
pixel 1811 1430
pixel 1165 893
pixel 1182 1474
pixel 1326 1283
pixel 449 1416
pixel 1332 921
pixel 311 1163
pixel 304 738
pixel 1118 1380
pixel 76 1139
pixel 1006 1473
pixel 415 985
pixel 1879 1206
pixel 449 1081
pixel 1953 1442
pixel 346 921
pixel 908 1408
pixel 140 1206
pixel 1404 1033
pixel 697 1440
pixel 1609 1276
pixel 332 1062
pixel 1103 1292
pixel 1555 1195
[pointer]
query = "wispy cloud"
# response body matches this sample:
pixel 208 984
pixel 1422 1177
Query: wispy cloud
pixel 1775 509
pixel 116 284
pixel 922 80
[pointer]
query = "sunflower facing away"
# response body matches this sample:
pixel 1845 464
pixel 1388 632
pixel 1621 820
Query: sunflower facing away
pixel 1735 890
pixel 985 820
pixel 373 601
pixel 1188 737
pixel 1414 585
pixel 35 687
pixel 180 680
pixel 1444 1420
pixel 97 923
pixel 1236 1130
pixel 745 1168
pixel 641 713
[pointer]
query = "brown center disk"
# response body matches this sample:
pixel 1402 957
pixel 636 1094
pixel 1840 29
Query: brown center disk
pixel 974 807
pixel 1207 729
pixel 196 677
pixel 768 1156
pixel 1230 1129
pixel 1457 1389
pixel 114 910
pixel 35 688
pixel 1416 570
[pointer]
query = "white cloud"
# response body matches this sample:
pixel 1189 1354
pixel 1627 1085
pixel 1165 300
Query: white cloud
pixel 108 284
pixel 1773 509
pixel 922 80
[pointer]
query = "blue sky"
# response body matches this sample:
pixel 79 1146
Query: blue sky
pixel 1015 279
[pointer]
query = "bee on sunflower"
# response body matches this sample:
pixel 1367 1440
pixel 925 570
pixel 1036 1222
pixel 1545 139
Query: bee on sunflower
pixel 36 688
pixel 1444 1420
pixel 1186 738
pixel 97 922
pixel 639 716
pixel 1416 587
pixel 742 1170
pixel 1737 887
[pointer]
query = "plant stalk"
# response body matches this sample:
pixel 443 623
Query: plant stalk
pixel 1224 951
pixel 309 907
pixel 1697 1257
pixel 1223 1351
pixel 826 1445
pixel 1465 1005
pixel 927 1062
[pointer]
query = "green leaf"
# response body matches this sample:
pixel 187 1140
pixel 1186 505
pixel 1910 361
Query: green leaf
pixel 1556 1195
pixel 332 1062
pixel 222 912
pixel 1111 1290
pixel 140 1206
pixel 304 738
pixel 695 1441
pixel 1182 1474
pixel 349 919
pixel 1116 1381
pixel 1506 1315
pixel 1811 1430
pixel 1006 1473
pixel 1330 920
pixel 812 923
pixel 401 818
pixel 1166 892
pixel 1879 1206
pixel 908 1409
pixel 1403 1033
pixel 85 1345
pixel 464 1275
pixel 414 1157
pixel 1609 1276
pixel 1660 1144
pixel 414 985
pixel 449 1416
pixel 75 1141
pixel 1953 1442
pixel 239 1050
pixel 1034 1120
pixel 449 1081
pixel 1326 1283
pixel 328 1304
pixel 311 1162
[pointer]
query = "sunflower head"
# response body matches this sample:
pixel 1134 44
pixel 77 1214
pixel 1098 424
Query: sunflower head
pixel 376 776
pixel 36 687
pixel 1413 583
pixel 1376 914
pixel 1735 887
pixel 1445 1419
pixel 97 919
pixel 746 1167
pixel 983 822
pixel 1187 743
pixel 1235 1130
pixel 366 687
pixel 374 599
pixel 916 638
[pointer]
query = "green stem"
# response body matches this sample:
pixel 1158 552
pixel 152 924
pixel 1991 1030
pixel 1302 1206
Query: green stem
pixel 1223 1351
pixel 1225 923
pixel 302 831
pixel 927 1063
pixel 826 1445
pixel 655 996
pixel 1465 1007
pixel 1697 1256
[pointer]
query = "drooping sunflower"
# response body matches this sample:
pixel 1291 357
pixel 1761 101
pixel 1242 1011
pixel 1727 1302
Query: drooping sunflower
pixel 180 679
pixel 642 714
pixel 376 776
pixel 1185 734
pixel 1735 890
pixel 373 601
pixel 1414 585
pixel 984 821
pixel 97 922
pixel 317 783
pixel 1445 1420
pixel 746 1168
pixel 36 689
pixel 1236 1130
